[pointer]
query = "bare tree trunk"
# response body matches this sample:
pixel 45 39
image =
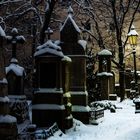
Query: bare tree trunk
pixel 48 14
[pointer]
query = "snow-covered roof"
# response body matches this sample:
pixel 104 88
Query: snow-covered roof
pixel 83 43
pixel 49 47
pixel 105 52
pixel 70 19
pixel 133 31
pixel 70 10
pixel 18 70
pixel 7 119
pixel 14 60
pixel 2 33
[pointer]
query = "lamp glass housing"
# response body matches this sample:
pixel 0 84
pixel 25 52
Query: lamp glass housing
pixel 133 39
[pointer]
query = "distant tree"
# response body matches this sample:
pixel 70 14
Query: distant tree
pixel 111 20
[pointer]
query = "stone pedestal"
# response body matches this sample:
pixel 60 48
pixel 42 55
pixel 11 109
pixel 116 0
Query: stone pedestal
pixel 80 108
pixel 48 108
pixel 104 80
pixel 19 107
pixel 8 127
pixel 8 123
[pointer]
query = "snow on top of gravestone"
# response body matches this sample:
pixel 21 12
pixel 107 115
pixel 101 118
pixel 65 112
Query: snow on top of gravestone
pixel 21 37
pixel 14 60
pixel 2 33
pixel 4 99
pixel 3 81
pixel 57 42
pixel 78 108
pixel 83 43
pixel 49 47
pixel 7 119
pixel 66 58
pixel 48 107
pixel 105 52
pixel 70 19
pixel 104 74
pixel 18 70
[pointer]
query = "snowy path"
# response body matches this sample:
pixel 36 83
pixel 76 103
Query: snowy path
pixel 122 125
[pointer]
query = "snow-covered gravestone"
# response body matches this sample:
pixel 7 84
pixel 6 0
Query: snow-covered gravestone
pixel 105 75
pixel 8 123
pixel 137 104
pixel 51 99
pixel 15 75
pixel 75 48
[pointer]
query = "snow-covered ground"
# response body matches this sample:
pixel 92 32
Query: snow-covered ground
pixel 122 125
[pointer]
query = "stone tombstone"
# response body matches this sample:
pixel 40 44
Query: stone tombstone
pixel 15 75
pixel 51 101
pixel 8 123
pixel 105 75
pixel 75 48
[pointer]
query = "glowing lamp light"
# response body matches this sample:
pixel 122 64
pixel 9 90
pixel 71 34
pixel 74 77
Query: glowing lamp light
pixel 133 36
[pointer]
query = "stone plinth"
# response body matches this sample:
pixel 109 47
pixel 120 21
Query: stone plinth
pixel 8 123
pixel 80 108
pixel 8 127
pixel 48 107
pixel 19 107
pixel 104 80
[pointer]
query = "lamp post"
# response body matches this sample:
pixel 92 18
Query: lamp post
pixel 132 37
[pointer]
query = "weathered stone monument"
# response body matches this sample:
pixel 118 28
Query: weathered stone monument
pixel 8 123
pixel 15 75
pixel 51 99
pixel 75 48
pixel 105 75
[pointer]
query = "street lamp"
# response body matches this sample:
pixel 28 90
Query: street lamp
pixel 132 38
